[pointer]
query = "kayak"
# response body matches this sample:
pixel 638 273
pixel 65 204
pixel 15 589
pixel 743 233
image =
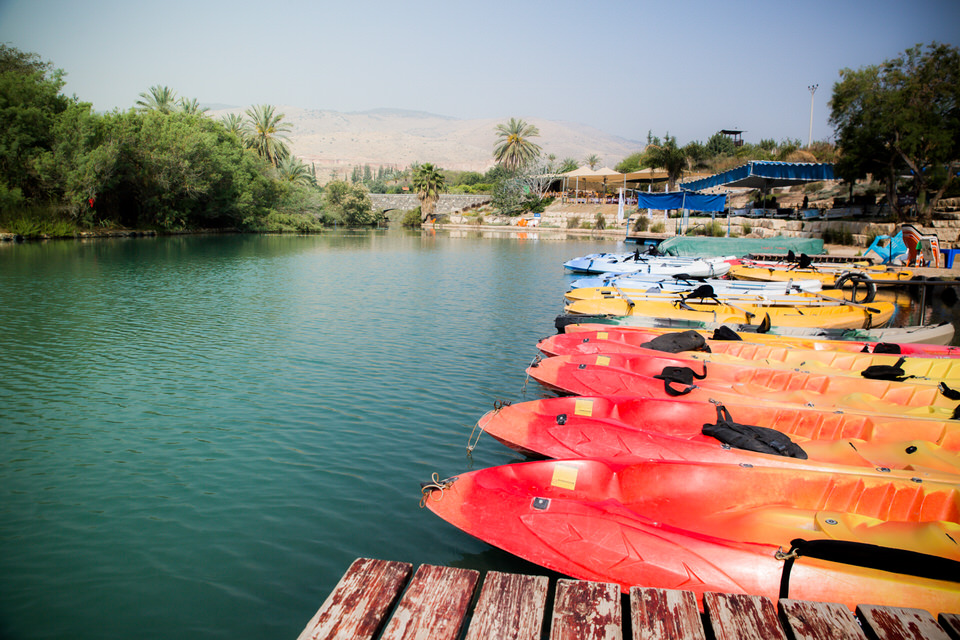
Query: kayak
pixel 663 283
pixel 635 375
pixel 643 334
pixel 916 369
pixel 648 265
pixel 713 527
pixel 835 316
pixel 827 297
pixel 939 334
pixel 620 427
pixel 880 275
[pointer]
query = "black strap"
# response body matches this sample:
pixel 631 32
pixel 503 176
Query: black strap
pixel 951 394
pixel 869 556
pixel 681 375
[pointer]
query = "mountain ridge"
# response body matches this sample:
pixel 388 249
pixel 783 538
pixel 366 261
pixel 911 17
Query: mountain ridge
pixel 335 142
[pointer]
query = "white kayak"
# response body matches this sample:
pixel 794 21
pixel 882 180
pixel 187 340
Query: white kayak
pixel 648 265
pixel 665 284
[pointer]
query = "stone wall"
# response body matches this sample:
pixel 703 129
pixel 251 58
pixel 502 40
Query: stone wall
pixel 448 203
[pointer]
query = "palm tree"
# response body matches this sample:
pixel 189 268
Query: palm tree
pixel 233 122
pixel 159 98
pixel 428 182
pixel 667 156
pixel 514 149
pixel 292 169
pixel 265 135
pixel 191 106
pixel 593 161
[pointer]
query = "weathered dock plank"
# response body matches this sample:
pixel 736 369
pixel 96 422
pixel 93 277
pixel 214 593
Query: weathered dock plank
pixel 951 624
pixel 434 605
pixel 357 607
pixel 511 607
pixel 664 614
pixel 819 621
pixel 898 623
pixel 736 616
pixel 586 611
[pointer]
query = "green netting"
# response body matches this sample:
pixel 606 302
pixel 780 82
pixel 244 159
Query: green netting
pixel 707 247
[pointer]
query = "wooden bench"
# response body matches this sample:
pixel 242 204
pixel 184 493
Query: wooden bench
pixel 378 599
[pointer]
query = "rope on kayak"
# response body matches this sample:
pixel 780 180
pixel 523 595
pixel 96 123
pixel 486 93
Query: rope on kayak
pixel 435 484
pixel 471 443
pixel 536 360
pixel 869 556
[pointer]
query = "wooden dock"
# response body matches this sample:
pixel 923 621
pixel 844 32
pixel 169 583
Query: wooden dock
pixel 378 599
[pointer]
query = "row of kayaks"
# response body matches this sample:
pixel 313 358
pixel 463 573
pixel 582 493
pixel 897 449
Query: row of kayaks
pixel 749 294
pixel 690 460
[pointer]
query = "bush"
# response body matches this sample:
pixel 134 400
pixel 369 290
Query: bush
pixel 600 223
pixel 657 227
pixel 642 223
pixel 746 228
pixel 411 219
pixel 573 222
pixel 713 229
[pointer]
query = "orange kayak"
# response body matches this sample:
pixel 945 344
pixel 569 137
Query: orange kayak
pixel 644 334
pixel 622 427
pixel 629 374
pixel 718 527
pixel 918 369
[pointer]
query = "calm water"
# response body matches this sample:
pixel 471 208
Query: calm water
pixel 199 434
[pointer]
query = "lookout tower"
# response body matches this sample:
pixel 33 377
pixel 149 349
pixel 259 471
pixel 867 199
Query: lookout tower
pixel 734 135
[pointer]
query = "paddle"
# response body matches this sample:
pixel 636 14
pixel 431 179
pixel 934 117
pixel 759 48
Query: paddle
pixel 630 303
pixel 847 302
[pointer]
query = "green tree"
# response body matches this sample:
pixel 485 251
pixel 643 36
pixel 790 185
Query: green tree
pixel 567 164
pixel 159 98
pixel 667 156
pixel 428 182
pixel 592 161
pixel 266 133
pixel 351 203
pixel 631 163
pixel 901 117
pixel 514 149
pixel 721 145
pixel 30 106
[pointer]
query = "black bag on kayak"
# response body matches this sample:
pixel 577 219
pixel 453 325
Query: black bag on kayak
pixel 751 438
pixel 890 372
pixel 883 347
pixel 680 375
pixel 676 342
pixel 723 332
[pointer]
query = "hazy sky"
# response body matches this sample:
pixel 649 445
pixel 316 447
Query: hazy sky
pixel 687 67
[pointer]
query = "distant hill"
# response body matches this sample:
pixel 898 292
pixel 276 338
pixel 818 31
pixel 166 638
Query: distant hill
pixel 336 141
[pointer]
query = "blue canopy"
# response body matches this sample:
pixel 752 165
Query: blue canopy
pixel 763 175
pixel 682 200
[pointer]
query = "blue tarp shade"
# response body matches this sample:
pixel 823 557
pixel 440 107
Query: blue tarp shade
pixel 682 200
pixel 764 175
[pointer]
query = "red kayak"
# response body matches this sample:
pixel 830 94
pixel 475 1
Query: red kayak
pixel 634 375
pixel 623 427
pixel 718 527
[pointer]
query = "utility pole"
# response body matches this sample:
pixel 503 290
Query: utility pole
pixel 813 90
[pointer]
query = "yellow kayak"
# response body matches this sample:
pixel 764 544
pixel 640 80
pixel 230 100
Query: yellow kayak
pixel 878 274
pixel 837 316
pixel 825 297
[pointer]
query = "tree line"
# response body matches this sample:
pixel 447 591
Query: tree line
pixel 163 164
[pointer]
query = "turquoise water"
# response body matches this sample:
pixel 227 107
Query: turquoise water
pixel 199 434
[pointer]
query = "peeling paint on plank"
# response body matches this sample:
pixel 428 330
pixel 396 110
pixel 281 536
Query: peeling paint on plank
pixel 819 621
pixel 586 611
pixel 511 607
pixel 665 614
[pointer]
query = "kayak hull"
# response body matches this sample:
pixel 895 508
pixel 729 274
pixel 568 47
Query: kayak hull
pixel 706 527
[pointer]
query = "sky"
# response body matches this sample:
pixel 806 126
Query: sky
pixel 684 67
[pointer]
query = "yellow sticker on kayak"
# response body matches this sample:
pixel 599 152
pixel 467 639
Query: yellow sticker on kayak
pixel 603 361
pixel 583 408
pixel 603 335
pixel 564 476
